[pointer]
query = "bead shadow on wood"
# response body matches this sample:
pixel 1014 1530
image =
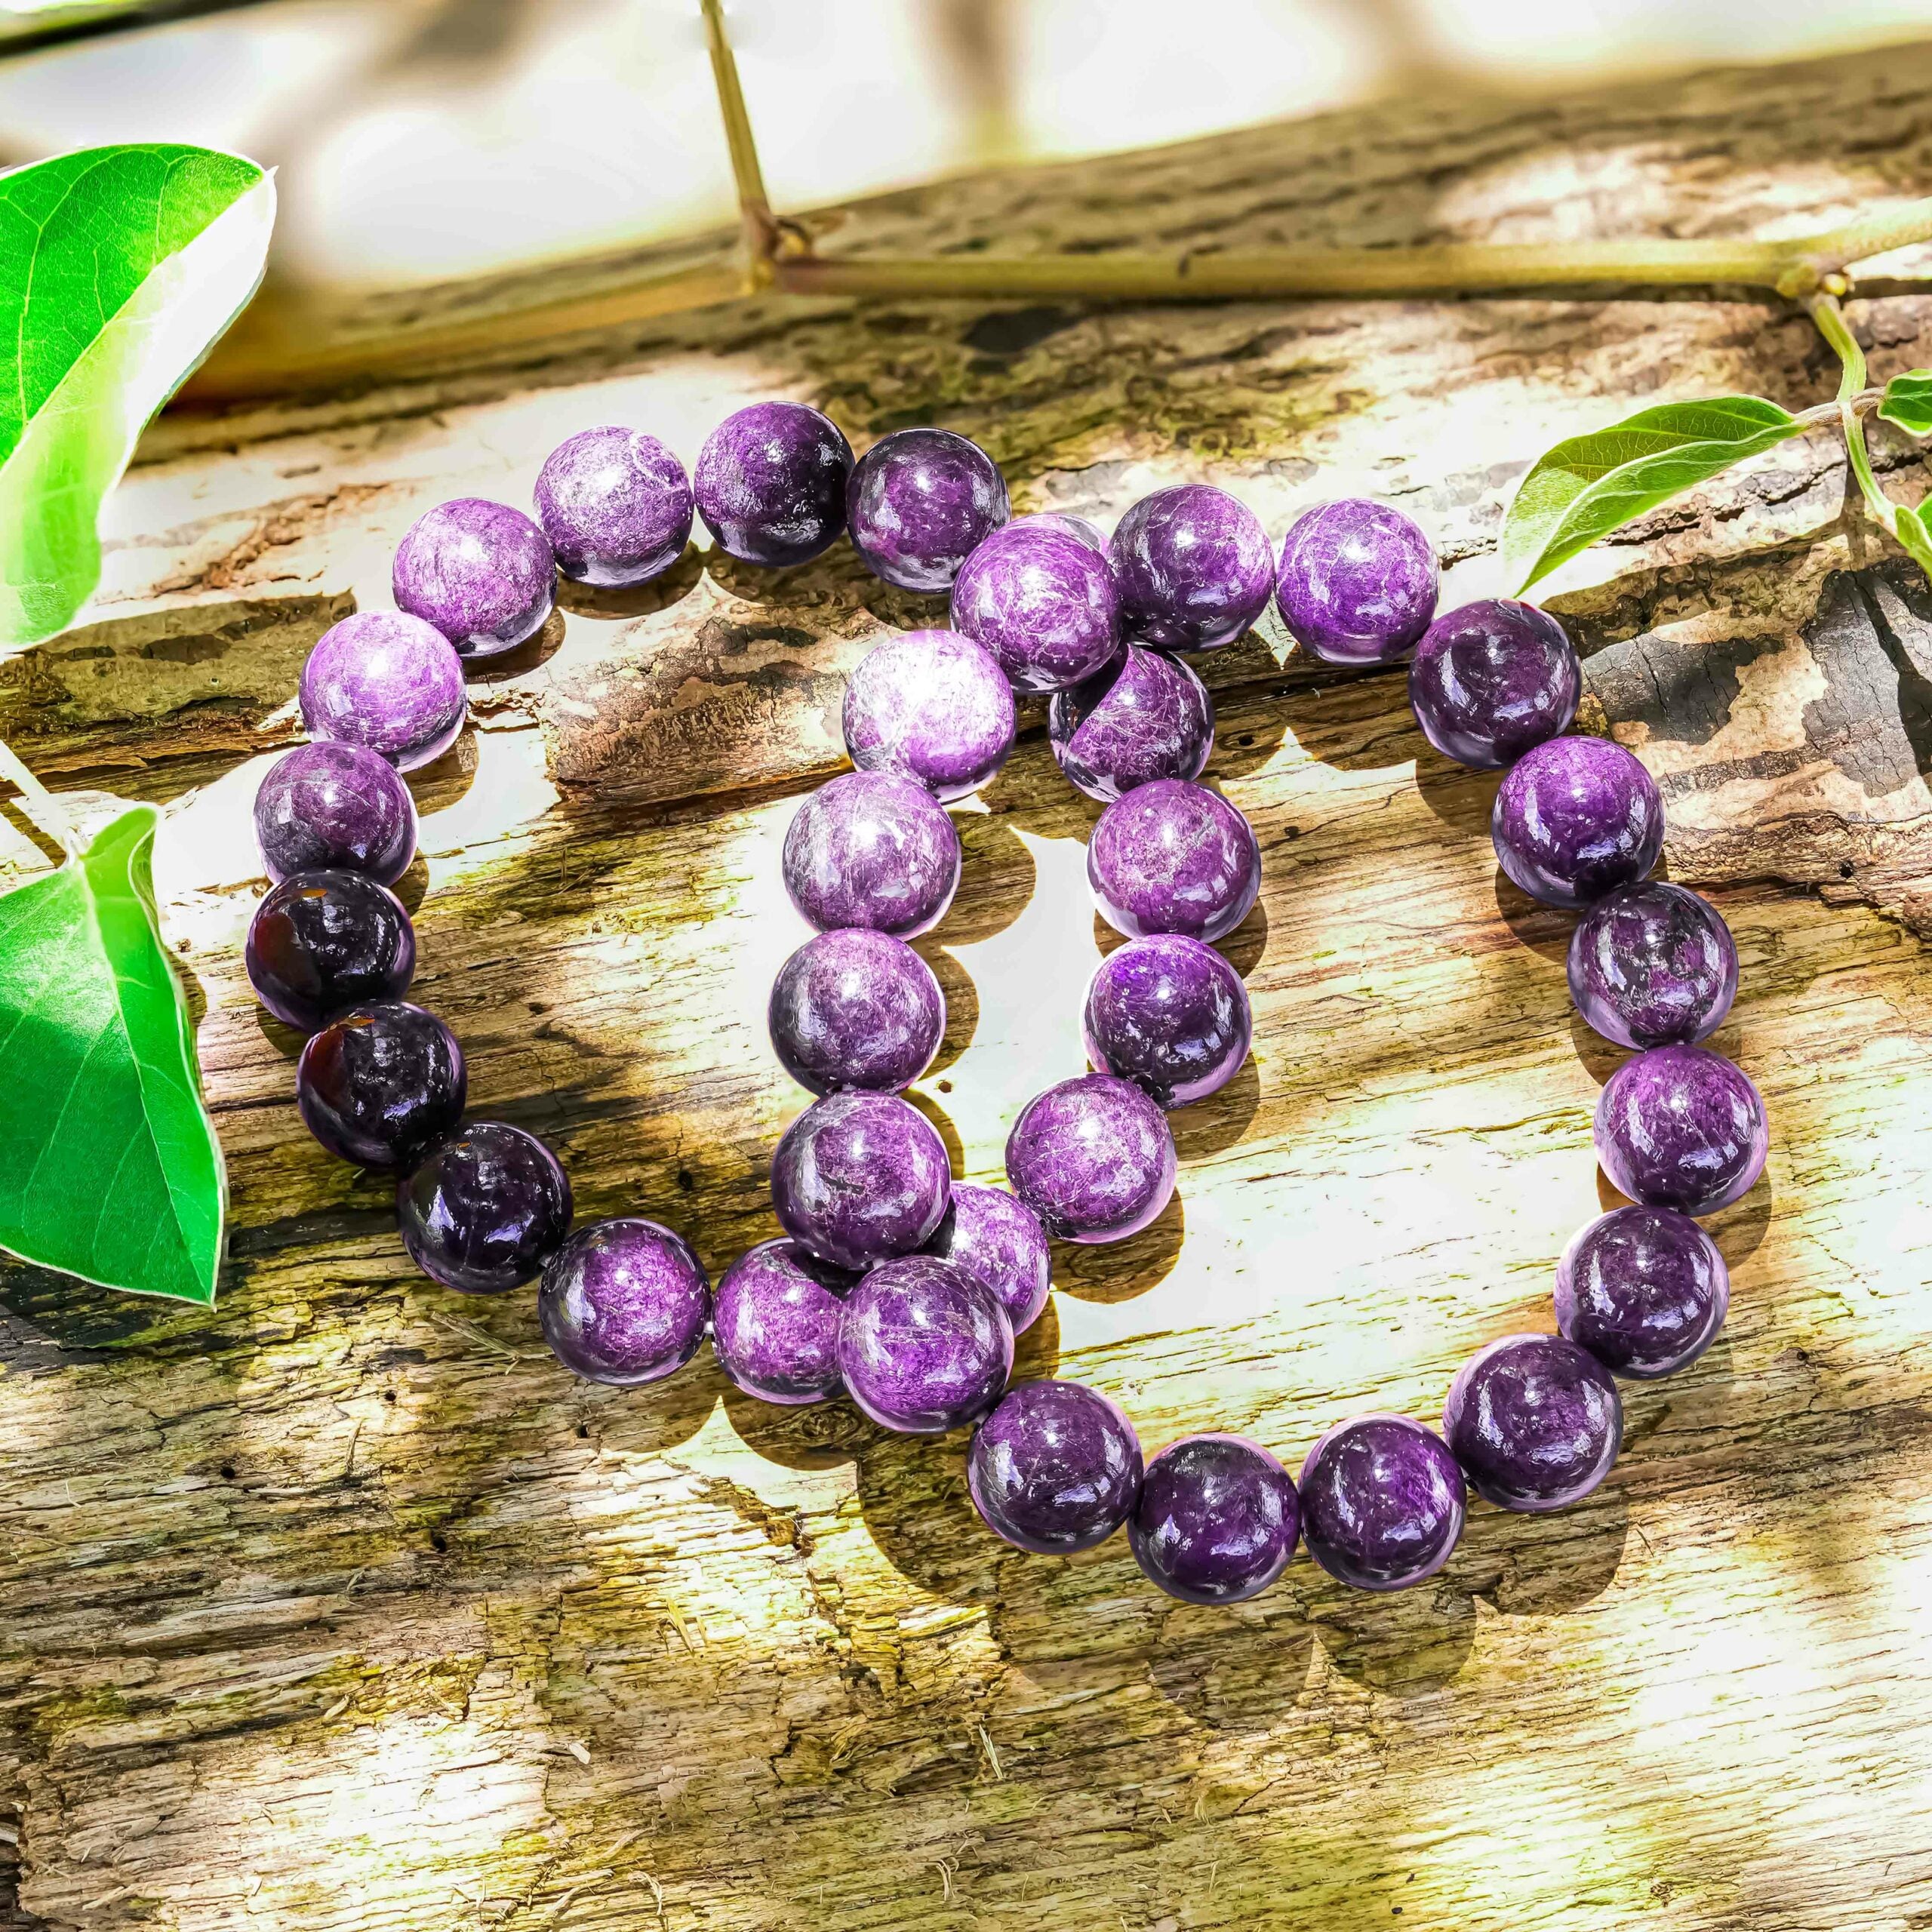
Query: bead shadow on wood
pixel 1212 1125
pixel 1351 719
pixel 1236 1669
pixel 1405 1643
pixel 1119 1270
pixel 614 603
pixel 997 878
pixel 962 1004
pixel 533 652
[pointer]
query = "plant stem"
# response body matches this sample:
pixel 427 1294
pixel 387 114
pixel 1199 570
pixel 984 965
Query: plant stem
pixel 754 204
pixel 37 802
pixel 1824 310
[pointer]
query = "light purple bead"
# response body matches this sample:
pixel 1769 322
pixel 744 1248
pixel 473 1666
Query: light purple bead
pixel 920 503
pixel 1039 593
pixel 1575 818
pixel 855 1008
pixel 999 1241
pixel 1535 1422
pixel 483 573
pixel 1193 568
pixel 1169 1014
pixel 774 1323
pixel 388 682
pixel 1142 717
pixel 1644 1289
pixel 858 1177
pixel 1093 1158
pixel 1683 1128
pixel 932 707
pixel 1216 1519
pixel 1382 1503
pixel 770 483
pixel 335 807
pixel 1055 1468
pixel 624 1302
pixel 1357 581
pixel 1492 679
pixel 616 505
pixel 870 849
pixel 923 1347
pixel 1652 965
pixel 1174 857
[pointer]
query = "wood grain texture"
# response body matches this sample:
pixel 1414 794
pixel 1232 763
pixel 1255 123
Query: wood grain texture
pixel 340 1607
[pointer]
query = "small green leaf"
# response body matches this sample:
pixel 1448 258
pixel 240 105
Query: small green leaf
pixel 110 1167
pixel 1584 488
pixel 118 267
pixel 1912 529
pixel 1908 402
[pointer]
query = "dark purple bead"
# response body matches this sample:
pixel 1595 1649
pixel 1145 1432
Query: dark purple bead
pixel 1357 581
pixel 483 573
pixel 323 942
pixel 999 1241
pixel 931 706
pixel 858 1009
pixel 624 1302
pixel 1193 568
pixel 1169 1014
pixel 775 1323
pixel 1093 1158
pixel 923 1347
pixel 331 808
pixel 1652 966
pixel 387 681
pixel 1490 679
pixel 1382 1502
pixel 1142 717
pixel 1643 1289
pixel 770 483
pixel 920 503
pixel 1575 818
pixel 483 1212
pixel 1173 858
pixel 1216 1519
pixel 1039 595
pixel 1055 1468
pixel 870 849
pixel 616 505
pixel 382 1084
pixel 1535 1422
pixel 1681 1127
pixel 858 1177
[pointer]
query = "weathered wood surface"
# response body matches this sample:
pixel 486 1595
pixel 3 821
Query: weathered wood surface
pixel 341 1606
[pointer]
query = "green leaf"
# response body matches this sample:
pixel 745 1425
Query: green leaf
pixel 1908 402
pixel 1584 488
pixel 109 1168
pixel 1913 531
pixel 118 268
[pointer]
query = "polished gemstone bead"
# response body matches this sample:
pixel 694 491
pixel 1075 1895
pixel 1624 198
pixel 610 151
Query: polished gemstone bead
pixel 770 484
pixel 858 1177
pixel 920 503
pixel 1356 582
pixel 482 573
pixel 1055 1468
pixel 1216 1519
pixel 1193 568
pixel 1382 1502
pixel 387 681
pixel 616 505
pixel 775 1323
pixel 335 807
pixel 321 943
pixel 483 1212
pixel 1039 593
pixel 382 1084
pixel 624 1302
pixel 1144 716
pixel 997 1239
pixel 1575 818
pixel 1169 1014
pixel 870 849
pixel 1093 1158
pixel 1652 965
pixel 1534 1420
pixel 932 707
pixel 1492 679
pixel 1173 858
pixel 1683 1128
pixel 856 1008
pixel 922 1346
pixel 1644 1289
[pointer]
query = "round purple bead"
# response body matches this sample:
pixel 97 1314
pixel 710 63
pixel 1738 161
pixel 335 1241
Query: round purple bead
pixel 931 706
pixel 1492 679
pixel 1055 1468
pixel 868 848
pixel 484 1211
pixel 1169 1014
pixel 1575 818
pixel 1652 966
pixel 770 483
pixel 388 682
pixel 920 503
pixel 1173 858
pixel 1357 581
pixel 483 573
pixel 1093 1157
pixel 1216 1519
pixel 624 1302
pixel 999 1241
pixel 858 1177
pixel 382 1084
pixel 1382 1503
pixel 616 505
pixel 923 1347
pixel 1039 595
pixel 855 1008
pixel 1535 1422
pixel 323 942
pixel 335 807
pixel 775 1320
pixel 1683 1128
pixel 1142 717
pixel 1644 1289
pixel 1193 568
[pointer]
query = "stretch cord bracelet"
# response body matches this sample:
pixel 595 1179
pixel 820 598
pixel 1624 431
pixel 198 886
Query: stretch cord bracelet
pixel 893 1283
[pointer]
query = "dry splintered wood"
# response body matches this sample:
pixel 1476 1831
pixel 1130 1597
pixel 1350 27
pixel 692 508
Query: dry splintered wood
pixel 342 1607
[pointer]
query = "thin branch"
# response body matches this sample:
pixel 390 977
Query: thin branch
pixel 1824 310
pixel 754 204
pixel 38 803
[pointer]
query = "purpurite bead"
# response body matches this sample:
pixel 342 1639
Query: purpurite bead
pixel 481 573
pixel 1652 965
pixel 923 1347
pixel 1683 1128
pixel 1039 593
pixel 1356 582
pixel 775 1323
pixel 1169 1014
pixel 1492 679
pixel 388 682
pixel 1142 717
pixel 932 707
pixel 1382 1503
pixel 1055 1468
pixel 335 807
pixel 1093 1157
pixel 999 1240
pixel 382 1084
pixel 920 503
pixel 1216 1519
pixel 868 848
pixel 323 942
pixel 1193 568
pixel 858 1177
pixel 616 505
pixel 1535 1422
pixel 624 1302
pixel 770 483
pixel 856 1008
pixel 1575 818
pixel 1174 857
pixel 1643 1289
pixel 483 1212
